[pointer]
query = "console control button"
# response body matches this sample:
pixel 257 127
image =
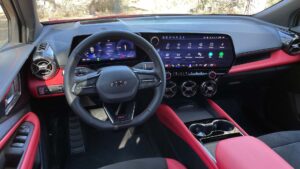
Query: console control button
pixel 155 41
pixel 17 145
pixel 48 90
pixel 168 75
pixel 212 75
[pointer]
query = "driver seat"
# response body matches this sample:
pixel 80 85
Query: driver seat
pixel 147 163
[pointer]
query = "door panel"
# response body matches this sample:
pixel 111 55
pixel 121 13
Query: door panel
pixel 19 135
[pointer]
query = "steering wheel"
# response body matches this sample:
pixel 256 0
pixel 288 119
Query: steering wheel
pixel 115 84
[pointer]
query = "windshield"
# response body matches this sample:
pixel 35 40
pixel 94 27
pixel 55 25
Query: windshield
pixel 56 10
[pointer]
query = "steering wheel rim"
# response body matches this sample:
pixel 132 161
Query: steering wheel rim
pixel 74 100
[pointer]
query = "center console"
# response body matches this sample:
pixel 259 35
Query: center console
pixel 215 138
pixel 206 121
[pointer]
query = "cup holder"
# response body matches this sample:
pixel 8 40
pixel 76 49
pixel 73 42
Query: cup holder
pixel 222 125
pixel 216 127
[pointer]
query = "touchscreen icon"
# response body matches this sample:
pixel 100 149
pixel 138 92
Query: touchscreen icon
pixel 168 46
pixel 221 55
pixel 222 45
pixel 200 45
pixel 189 45
pixel 210 54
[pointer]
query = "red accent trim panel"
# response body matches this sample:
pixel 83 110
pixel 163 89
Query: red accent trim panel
pixel 223 114
pixel 29 154
pixel 247 153
pixel 278 58
pixel 169 118
pixel 34 83
pixel 173 164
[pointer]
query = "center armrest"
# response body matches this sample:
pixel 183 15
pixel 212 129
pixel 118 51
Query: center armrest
pixel 247 152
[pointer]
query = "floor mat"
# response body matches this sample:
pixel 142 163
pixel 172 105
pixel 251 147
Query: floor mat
pixel 107 147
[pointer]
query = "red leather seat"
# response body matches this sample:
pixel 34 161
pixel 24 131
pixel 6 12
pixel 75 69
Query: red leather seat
pixel 147 163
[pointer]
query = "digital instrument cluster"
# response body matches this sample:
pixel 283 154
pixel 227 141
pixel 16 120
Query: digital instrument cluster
pixel 193 50
pixel 109 51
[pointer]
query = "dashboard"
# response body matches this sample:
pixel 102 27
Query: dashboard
pixel 196 51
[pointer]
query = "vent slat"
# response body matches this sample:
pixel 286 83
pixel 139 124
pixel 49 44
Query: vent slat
pixel 42 46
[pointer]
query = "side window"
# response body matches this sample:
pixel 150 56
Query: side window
pixel 3 28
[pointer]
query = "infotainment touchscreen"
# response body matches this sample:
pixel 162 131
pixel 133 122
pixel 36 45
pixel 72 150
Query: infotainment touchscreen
pixel 193 50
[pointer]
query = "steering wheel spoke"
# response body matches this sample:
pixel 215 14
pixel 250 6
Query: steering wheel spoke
pixel 147 78
pixel 120 113
pixel 85 85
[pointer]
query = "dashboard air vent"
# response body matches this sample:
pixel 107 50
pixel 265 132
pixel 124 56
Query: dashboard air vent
pixel 43 68
pixel 294 47
pixel 43 64
pixel 291 41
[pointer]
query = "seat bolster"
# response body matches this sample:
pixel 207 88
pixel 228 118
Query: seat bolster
pixel 173 164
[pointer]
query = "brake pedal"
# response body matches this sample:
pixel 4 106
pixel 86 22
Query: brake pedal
pixel 75 136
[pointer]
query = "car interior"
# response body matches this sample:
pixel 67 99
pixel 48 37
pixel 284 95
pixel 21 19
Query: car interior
pixel 149 84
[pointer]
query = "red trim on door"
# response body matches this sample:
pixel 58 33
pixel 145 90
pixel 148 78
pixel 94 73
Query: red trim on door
pixel 169 118
pixel 29 154
pixel 278 58
pixel 223 114
pixel 34 83
pixel 173 164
